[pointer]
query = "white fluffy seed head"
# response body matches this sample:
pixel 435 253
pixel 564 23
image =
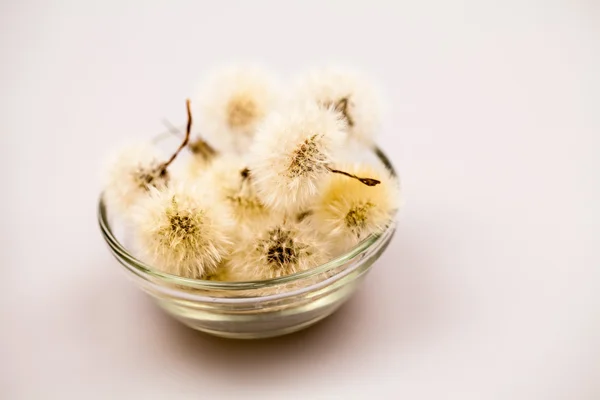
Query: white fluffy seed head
pixel 232 184
pixel 182 231
pixel 291 153
pixel 349 93
pixel 131 172
pixel 231 103
pixel 348 211
pixel 276 250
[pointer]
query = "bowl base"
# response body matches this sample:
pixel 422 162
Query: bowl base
pixel 259 333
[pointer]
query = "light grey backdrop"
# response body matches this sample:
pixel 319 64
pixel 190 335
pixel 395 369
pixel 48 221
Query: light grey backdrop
pixel 490 288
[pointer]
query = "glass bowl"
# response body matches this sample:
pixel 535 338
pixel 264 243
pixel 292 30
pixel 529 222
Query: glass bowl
pixel 257 309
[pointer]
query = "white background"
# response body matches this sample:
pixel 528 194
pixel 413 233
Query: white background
pixel 490 289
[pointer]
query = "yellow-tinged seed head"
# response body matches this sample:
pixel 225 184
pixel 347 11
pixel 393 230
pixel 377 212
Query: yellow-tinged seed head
pixel 348 211
pixel 242 111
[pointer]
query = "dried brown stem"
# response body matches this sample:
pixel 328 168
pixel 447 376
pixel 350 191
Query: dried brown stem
pixel 365 181
pixel 342 106
pixel 188 129
pixel 198 146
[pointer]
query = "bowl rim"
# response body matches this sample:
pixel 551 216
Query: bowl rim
pixel 146 270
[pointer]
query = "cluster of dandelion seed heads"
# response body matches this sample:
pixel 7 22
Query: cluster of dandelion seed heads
pixel 263 192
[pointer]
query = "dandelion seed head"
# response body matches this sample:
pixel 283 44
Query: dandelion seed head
pixel 349 211
pixel 349 94
pixel 291 154
pixel 131 172
pixel 232 102
pixel 231 184
pixel 276 250
pixel 181 231
pixel 242 110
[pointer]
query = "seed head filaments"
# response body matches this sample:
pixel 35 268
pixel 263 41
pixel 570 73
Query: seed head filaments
pixel 276 250
pixel 232 102
pixel 180 230
pixel 349 94
pixel 231 182
pixel 131 172
pixel 348 211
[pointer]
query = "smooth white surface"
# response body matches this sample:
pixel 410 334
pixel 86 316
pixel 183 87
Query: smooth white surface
pixel 490 288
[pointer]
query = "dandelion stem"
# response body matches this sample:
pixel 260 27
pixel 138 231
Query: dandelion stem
pixel 185 140
pixel 342 106
pixel 365 181
pixel 198 146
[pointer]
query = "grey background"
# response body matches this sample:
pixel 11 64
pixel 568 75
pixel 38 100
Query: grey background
pixel 490 288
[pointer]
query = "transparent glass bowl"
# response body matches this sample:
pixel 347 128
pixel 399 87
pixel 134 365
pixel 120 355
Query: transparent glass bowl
pixel 258 309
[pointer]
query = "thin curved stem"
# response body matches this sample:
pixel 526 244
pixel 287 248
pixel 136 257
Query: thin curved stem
pixel 188 129
pixel 342 106
pixel 365 181
pixel 199 146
